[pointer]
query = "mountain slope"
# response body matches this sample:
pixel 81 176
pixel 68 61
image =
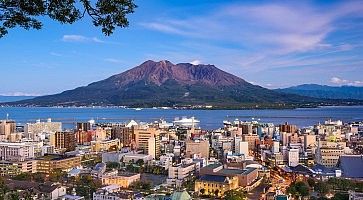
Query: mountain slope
pixel 324 91
pixel 4 98
pixel 165 84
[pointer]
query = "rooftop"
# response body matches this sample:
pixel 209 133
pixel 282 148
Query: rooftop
pixel 54 157
pixel 212 166
pixel 352 166
pixel 213 178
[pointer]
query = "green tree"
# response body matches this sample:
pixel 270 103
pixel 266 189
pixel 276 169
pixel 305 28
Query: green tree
pixel 113 165
pixel 13 196
pixel 341 196
pixel 311 182
pixel 86 185
pixel 234 195
pixel 3 189
pixel 299 188
pixel 26 14
pixel 322 188
pixel 23 177
pixel 39 177
pixel 57 175
pixel 140 162
pixel 141 185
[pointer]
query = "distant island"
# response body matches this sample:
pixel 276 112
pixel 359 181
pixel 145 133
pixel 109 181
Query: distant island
pixel 5 98
pixel 183 85
pixel 325 91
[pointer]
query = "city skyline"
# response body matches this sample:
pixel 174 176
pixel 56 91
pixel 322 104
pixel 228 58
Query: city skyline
pixel 272 44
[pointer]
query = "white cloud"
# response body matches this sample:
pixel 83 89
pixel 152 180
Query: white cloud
pixel 196 62
pixel 339 81
pixel 80 38
pixel 20 94
pixel 113 60
pixel 277 28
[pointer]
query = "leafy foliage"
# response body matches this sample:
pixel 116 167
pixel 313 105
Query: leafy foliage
pixel 141 185
pixel 113 165
pixel 322 187
pixel 234 195
pixel 86 185
pixel 106 14
pixel 298 189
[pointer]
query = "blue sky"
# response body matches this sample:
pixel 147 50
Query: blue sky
pixel 270 43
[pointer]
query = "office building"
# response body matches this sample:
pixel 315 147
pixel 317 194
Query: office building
pixel 200 147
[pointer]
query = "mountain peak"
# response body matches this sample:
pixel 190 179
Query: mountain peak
pixel 163 83
pixel 183 73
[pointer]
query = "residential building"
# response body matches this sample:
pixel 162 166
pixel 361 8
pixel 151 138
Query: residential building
pixel 83 126
pixel 133 157
pixel 142 140
pixel 49 191
pixel 8 168
pixel 51 162
pixel 330 156
pixel 125 134
pixel 288 128
pixel 6 128
pixel 35 130
pixel 181 173
pixel 197 147
pixel 293 159
pixel 16 151
pixel 252 140
pixel 64 140
pixel 105 145
pixel 114 156
pixel 123 180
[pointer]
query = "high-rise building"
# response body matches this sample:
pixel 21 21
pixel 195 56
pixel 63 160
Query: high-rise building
pixel 241 147
pixel 84 137
pixel 142 136
pixel 246 128
pixel 125 134
pixel 276 147
pixel 6 128
pixel 65 140
pixel 293 157
pixel 288 128
pixel 83 126
pixel 252 140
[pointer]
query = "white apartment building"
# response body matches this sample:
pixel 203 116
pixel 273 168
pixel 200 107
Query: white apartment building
pixel 293 157
pixel 37 130
pixel 177 175
pixel 16 151
pixel 166 160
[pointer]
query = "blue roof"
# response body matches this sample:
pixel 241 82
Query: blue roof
pixel 318 168
pixel 281 197
pixel 99 166
pixel 301 169
pixel 352 166
pixel 213 178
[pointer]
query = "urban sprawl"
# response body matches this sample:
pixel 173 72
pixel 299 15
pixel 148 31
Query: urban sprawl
pixel 180 161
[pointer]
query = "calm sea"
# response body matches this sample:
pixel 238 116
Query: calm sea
pixel 210 119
